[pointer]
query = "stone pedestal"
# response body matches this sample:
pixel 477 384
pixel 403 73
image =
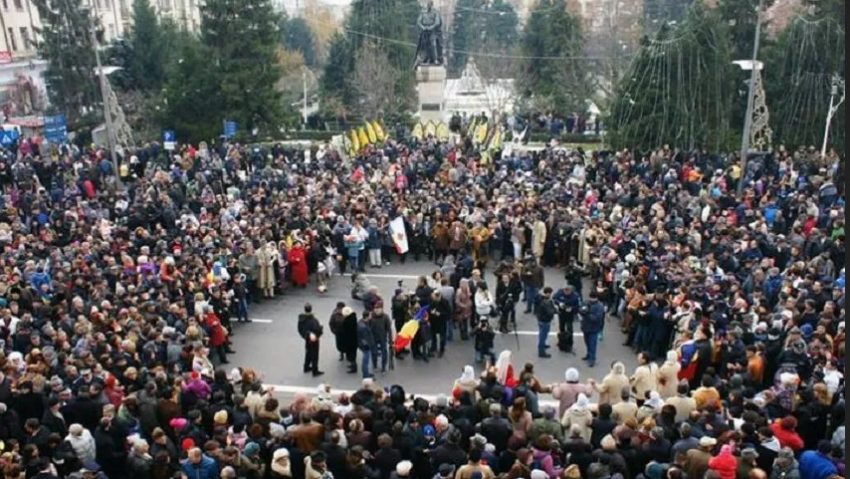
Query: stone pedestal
pixel 430 86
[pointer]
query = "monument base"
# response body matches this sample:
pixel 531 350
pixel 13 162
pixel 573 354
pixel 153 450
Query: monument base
pixel 430 86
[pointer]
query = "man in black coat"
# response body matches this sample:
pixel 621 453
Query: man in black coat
pixel 439 317
pixel 349 335
pixel 310 330
pixel 449 452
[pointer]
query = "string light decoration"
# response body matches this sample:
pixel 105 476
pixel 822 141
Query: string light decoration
pixel 678 90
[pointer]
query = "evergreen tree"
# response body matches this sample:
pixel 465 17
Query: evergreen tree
pixel 240 37
pixel 799 70
pixel 678 89
pixel 193 105
pixel 481 26
pixel 66 44
pixel 334 82
pixel 389 25
pixel 296 35
pixel 551 37
pixel 148 48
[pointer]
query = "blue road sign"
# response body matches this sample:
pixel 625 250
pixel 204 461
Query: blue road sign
pixel 230 128
pixel 8 137
pixel 55 129
pixel 169 139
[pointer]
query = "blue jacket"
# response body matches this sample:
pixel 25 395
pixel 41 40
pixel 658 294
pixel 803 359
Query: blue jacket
pixel 374 240
pixel 594 319
pixel 206 469
pixel 814 465
pixel 365 338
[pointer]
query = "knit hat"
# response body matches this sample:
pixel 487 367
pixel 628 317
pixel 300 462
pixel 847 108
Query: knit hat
pixel 572 471
pixel 538 474
pixel 280 453
pixel 220 417
pixel 178 423
pixel 251 449
pixel 789 423
pixel 187 444
pixel 403 468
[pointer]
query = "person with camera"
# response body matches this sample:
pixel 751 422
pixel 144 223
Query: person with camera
pixel 484 336
pixel 310 330
pixel 507 293
pixel 592 319
pixel 532 281
pixel 545 314
pixel 568 302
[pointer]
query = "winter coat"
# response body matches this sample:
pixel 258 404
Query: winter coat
pixel 206 469
pixel 725 465
pixel 814 465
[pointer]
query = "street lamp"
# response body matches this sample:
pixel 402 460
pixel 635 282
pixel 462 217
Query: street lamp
pixel 107 115
pixel 748 120
pixel 836 89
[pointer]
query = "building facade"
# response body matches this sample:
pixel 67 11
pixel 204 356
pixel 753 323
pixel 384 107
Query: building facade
pixel 21 83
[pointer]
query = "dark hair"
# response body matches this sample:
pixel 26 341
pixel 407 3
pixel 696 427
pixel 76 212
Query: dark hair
pixel 308 308
pixel 475 455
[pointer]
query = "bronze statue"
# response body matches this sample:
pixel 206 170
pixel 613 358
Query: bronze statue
pixel 429 50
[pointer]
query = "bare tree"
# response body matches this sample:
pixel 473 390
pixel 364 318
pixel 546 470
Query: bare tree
pixel 375 81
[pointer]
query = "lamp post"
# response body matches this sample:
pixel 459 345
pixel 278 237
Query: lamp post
pixel 836 88
pixel 748 120
pixel 107 115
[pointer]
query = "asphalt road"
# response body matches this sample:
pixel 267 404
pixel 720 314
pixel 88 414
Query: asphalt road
pixel 271 345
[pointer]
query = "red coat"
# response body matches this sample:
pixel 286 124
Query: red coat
pixel 298 265
pixel 786 437
pixel 725 465
pixel 217 333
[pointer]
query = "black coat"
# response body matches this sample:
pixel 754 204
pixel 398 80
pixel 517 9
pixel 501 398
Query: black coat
pixel 308 324
pixel 349 333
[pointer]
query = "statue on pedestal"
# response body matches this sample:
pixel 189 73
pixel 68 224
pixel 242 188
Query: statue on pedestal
pixel 429 49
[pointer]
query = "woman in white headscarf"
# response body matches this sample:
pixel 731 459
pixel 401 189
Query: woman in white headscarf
pixel 668 375
pixel 466 382
pixel 613 384
pixel 505 370
pixel 650 407
pixel 567 392
pixel 579 416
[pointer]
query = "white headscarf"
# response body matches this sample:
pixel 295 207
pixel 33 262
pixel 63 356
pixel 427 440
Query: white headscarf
pixel 672 358
pixel 571 375
pixel 468 375
pixel 502 365
pixel 581 402
pixel 654 401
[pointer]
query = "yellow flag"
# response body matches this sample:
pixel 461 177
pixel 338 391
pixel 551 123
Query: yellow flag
pixel 370 132
pixel 361 135
pixel 355 141
pixel 430 129
pixel 480 133
pixel 417 131
pixel 442 131
pixel 379 130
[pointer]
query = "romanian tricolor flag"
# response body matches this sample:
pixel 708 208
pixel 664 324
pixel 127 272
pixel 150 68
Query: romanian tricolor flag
pixel 409 330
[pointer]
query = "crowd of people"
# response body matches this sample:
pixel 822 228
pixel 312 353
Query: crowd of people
pixel 120 288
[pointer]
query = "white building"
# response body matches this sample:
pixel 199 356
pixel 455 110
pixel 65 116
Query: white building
pixel 471 94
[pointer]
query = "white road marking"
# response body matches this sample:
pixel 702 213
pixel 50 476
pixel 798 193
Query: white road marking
pixel 534 333
pixel 260 320
pixel 387 276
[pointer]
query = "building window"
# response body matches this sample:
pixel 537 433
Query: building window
pixel 19 4
pixel 5 5
pixel 26 43
pixel 13 44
